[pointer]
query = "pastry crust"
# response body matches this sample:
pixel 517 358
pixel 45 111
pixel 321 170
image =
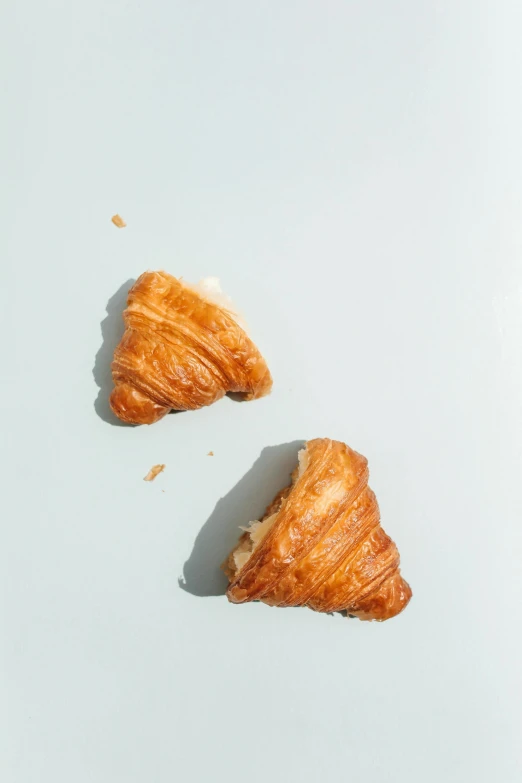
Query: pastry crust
pixel 180 351
pixel 321 544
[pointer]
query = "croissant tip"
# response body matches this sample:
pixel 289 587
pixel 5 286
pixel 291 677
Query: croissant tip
pixel 131 406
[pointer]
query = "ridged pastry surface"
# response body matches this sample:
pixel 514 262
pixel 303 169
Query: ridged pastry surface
pixel 321 544
pixel 180 351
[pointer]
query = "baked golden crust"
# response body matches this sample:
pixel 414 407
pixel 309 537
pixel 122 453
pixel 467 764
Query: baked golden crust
pixel 180 351
pixel 322 544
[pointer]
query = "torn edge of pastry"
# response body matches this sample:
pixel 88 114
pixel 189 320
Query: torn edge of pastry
pixel 118 221
pixel 153 472
pixel 256 531
pixel 209 289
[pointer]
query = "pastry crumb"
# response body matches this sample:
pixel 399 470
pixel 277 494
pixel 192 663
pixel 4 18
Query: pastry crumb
pixel 210 454
pixel 153 472
pixel 118 221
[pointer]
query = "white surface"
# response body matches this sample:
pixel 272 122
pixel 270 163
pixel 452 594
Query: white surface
pixel 352 171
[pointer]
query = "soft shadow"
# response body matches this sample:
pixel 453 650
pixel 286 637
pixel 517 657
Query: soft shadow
pixel 202 574
pixel 112 328
pixel 236 396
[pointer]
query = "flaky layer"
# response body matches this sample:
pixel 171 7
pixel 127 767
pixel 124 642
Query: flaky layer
pixel 180 351
pixel 321 543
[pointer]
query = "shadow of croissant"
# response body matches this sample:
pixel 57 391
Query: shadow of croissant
pixel 247 501
pixel 112 328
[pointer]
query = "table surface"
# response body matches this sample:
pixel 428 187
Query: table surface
pixel 352 172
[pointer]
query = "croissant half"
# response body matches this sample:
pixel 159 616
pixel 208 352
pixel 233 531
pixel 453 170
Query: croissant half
pixel 320 543
pixel 182 349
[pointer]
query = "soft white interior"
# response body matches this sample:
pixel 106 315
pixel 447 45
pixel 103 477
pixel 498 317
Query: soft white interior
pixel 209 288
pixel 304 458
pixel 258 530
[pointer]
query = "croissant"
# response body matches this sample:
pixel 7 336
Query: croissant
pixel 182 349
pixel 320 543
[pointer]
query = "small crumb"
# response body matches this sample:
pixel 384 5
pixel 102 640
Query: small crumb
pixel 163 490
pixel 153 472
pixel 210 454
pixel 118 221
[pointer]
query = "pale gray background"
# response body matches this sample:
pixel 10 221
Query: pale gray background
pixel 352 171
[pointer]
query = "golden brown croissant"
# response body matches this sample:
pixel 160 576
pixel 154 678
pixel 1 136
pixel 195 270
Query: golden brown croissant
pixel 320 543
pixel 181 350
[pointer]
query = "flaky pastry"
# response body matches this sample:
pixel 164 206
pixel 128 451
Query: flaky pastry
pixel 320 543
pixel 182 349
pixel 153 472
